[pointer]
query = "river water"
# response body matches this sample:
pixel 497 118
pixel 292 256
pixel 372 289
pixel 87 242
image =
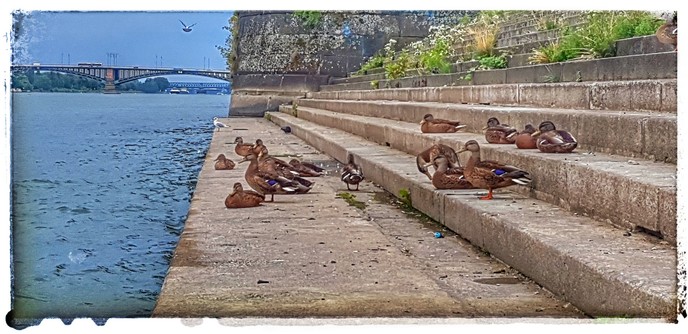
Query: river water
pixel 101 187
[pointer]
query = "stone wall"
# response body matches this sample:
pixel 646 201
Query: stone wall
pixel 280 56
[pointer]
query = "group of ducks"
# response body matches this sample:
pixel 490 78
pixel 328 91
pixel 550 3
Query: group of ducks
pixel 268 175
pixel 486 174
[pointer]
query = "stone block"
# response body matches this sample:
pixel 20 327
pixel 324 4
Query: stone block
pixel 490 77
pixel 669 101
pixel 256 105
pixel 660 138
pixel 573 96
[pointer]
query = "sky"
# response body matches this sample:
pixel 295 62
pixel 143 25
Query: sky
pixel 138 38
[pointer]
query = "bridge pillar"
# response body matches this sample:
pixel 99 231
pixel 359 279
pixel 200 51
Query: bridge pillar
pixel 110 82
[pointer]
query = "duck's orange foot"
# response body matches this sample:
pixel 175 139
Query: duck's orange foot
pixel 488 197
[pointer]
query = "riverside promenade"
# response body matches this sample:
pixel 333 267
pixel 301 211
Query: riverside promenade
pixel 319 255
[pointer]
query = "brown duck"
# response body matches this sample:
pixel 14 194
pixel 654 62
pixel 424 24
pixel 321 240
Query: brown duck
pixel 258 148
pixel 269 183
pixel 446 178
pixel 427 157
pixel 667 33
pixel 551 140
pixel 429 124
pixel 242 149
pixel 223 163
pixel 241 198
pixel 306 169
pixel 490 175
pixel 352 173
pixel 525 139
pixel 497 133
pixel 281 167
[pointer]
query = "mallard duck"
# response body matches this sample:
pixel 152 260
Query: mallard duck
pixel 497 133
pixel 241 198
pixel 551 140
pixel 352 173
pixel 525 139
pixel 427 157
pixel 267 162
pixel 429 124
pixel 490 175
pixel 306 169
pixel 446 178
pixel 222 163
pixel 667 33
pixel 269 183
pixel 258 148
pixel 242 149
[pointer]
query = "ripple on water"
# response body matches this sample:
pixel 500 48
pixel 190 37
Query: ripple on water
pixel 127 201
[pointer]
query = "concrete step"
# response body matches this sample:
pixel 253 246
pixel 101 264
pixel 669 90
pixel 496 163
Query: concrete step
pixel 637 67
pixel 358 78
pixel 590 264
pixel 528 38
pixel 599 185
pixel 630 134
pixel 641 45
pixel 521 59
pixel 634 95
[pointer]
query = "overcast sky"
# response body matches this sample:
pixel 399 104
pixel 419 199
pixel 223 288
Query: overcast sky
pixel 139 38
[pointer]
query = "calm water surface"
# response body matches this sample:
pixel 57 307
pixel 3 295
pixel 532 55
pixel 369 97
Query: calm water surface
pixel 101 187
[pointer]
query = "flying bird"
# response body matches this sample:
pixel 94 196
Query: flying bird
pixel 187 28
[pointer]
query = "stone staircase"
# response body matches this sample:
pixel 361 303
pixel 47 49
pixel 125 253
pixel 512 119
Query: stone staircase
pixel 597 227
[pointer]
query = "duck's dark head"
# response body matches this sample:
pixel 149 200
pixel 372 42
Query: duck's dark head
pixel 544 127
pixel 529 128
pixel 427 118
pixel 471 146
pixel 238 187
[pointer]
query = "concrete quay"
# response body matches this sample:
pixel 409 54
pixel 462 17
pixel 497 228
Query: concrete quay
pixel 317 255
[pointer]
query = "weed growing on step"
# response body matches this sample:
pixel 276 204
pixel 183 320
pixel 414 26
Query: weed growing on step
pixel 434 60
pixel 375 84
pixel 597 37
pixel 268 116
pixel 406 206
pixel 397 68
pixel 484 35
pixel 376 61
pixel 492 62
pixel 351 200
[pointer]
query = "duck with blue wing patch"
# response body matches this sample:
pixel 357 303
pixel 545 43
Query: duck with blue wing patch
pixel 269 183
pixel 488 174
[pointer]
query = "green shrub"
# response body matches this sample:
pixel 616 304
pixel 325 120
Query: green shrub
pixel 435 59
pixel 376 61
pixel 492 62
pixel 397 68
pixel 597 37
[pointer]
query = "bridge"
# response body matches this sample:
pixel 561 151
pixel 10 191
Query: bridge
pixel 115 75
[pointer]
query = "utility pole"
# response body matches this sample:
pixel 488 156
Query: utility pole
pixel 62 58
pixel 69 62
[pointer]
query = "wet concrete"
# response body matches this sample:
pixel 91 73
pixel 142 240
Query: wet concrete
pixel 324 254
